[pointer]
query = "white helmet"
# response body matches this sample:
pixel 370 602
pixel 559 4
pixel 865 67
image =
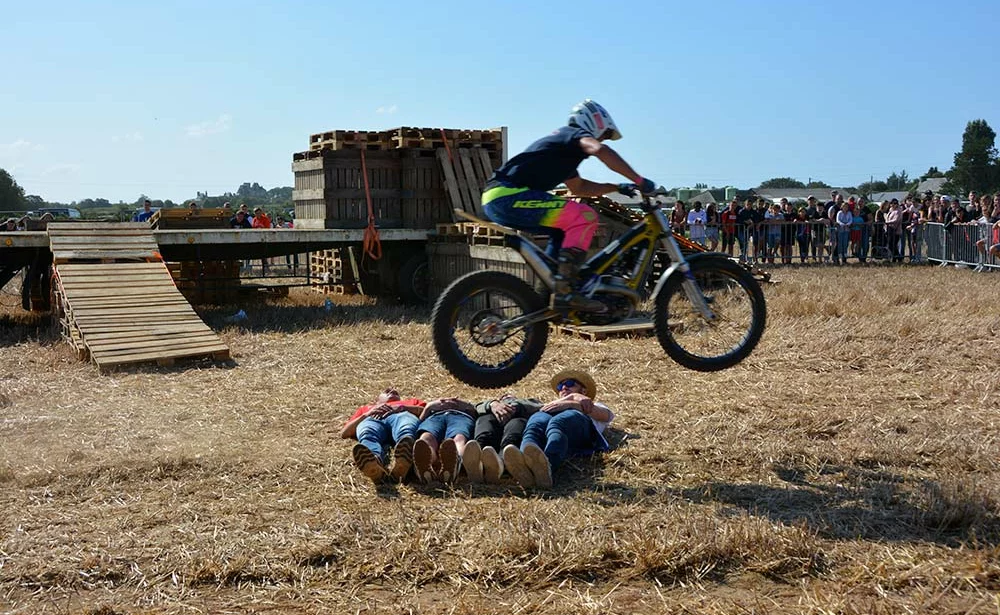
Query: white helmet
pixel 593 118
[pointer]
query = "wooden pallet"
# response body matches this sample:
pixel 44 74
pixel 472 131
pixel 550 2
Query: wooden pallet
pixel 118 301
pixel 103 242
pixel 632 327
pixel 466 172
pixel 121 313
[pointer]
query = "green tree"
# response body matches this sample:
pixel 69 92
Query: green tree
pixel 931 173
pixel 782 182
pixel 11 195
pixel 975 166
pixel 897 181
pixel 818 184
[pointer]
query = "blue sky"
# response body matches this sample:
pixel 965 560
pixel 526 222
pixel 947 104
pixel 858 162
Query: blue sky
pixel 117 99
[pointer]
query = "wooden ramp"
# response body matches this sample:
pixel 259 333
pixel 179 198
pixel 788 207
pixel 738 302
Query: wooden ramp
pixel 119 303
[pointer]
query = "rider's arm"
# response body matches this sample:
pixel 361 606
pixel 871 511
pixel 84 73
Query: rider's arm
pixel 610 158
pixel 584 187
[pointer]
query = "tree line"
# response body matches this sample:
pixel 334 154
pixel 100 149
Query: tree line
pixel 975 167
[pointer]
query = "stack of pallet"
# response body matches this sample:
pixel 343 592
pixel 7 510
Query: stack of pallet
pixel 331 272
pixel 207 282
pixel 406 183
pixel 492 140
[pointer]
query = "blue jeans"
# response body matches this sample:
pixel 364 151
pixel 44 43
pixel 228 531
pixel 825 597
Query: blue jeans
pixel 447 425
pixel 379 434
pixel 570 432
pixel 843 238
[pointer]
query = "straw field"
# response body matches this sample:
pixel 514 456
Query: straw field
pixel 850 465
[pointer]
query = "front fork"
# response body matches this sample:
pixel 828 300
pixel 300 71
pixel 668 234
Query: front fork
pixel 691 288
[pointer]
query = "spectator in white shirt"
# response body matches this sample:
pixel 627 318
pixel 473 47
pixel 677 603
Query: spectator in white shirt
pixel 696 220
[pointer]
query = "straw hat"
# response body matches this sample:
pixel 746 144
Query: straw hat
pixel 589 385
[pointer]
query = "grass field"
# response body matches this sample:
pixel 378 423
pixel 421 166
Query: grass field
pixel 850 465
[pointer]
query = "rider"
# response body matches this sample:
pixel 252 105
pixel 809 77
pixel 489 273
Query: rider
pixel 517 194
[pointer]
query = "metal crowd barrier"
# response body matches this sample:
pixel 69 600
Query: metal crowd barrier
pixel 963 245
pixel 818 241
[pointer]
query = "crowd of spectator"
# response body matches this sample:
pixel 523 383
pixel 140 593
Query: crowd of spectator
pixel 838 229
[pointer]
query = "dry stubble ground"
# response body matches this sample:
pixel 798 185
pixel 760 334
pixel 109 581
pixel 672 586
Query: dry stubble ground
pixel 849 466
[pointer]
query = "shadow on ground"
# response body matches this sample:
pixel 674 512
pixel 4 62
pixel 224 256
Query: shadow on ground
pixel 852 502
pixel 276 318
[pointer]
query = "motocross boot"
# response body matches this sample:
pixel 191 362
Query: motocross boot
pixel 565 295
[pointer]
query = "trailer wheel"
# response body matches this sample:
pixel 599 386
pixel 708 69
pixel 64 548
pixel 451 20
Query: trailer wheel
pixel 414 279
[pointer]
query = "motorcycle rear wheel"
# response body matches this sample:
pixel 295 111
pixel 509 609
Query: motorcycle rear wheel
pixel 468 333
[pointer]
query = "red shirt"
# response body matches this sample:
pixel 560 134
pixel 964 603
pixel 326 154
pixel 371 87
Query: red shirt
pixel 413 401
pixel 728 222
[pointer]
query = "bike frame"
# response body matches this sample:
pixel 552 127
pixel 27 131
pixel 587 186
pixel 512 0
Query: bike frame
pixel 653 227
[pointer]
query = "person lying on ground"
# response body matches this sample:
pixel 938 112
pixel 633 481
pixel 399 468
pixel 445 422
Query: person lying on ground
pixel 499 422
pixel 571 425
pixel 389 421
pixel 445 427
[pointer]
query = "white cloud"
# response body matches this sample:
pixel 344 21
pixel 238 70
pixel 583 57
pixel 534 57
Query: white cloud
pixel 18 147
pixel 209 128
pixel 61 170
pixel 132 137
pixel 387 109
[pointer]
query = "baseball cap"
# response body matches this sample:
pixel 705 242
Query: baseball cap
pixel 946 198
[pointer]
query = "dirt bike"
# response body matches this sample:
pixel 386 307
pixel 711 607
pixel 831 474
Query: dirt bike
pixel 490 328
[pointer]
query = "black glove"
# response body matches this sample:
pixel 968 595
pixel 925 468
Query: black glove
pixel 647 186
pixel 627 189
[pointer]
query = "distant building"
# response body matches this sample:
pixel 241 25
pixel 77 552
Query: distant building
pixel 899 195
pixel 800 195
pixel 932 185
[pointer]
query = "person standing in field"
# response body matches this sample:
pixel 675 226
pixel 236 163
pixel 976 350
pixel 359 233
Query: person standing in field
pixel 728 220
pixel 712 227
pixel 696 219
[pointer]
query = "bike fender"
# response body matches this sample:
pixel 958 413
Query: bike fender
pixel 674 269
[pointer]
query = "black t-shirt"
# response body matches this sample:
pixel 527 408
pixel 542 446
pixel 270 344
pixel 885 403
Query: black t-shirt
pixel 547 162
pixel 745 217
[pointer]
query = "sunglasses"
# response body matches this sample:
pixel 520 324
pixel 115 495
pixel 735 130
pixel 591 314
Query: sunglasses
pixel 566 384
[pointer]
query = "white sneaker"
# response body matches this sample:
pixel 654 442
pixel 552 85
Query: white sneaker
pixel 538 463
pixel 471 461
pixel 492 465
pixel 514 460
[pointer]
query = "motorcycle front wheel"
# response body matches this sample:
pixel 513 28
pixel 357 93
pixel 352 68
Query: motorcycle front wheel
pixel 469 332
pixel 736 299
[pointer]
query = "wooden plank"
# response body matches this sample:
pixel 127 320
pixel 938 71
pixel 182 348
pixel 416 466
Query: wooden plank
pixel 64 226
pixel 473 184
pixel 111 278
pixel 104 319
pixel 109 342
pixel 85 293
pixel 86 243
pixel 100 254
pixel 153 306
pixel 110 359
pixel 463 187
pixel 178 341
pixel 484 161
pixel 88 268
pixel 157 329
pixel 450 181
pixel 82 234
pixel 126 283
